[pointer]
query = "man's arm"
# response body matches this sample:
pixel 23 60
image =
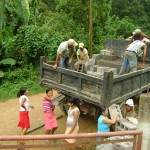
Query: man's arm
pixel 144 54
pixel 56 63
pixel 70 61
pixel 146 36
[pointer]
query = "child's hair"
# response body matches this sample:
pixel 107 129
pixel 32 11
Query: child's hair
pixel 49 89
pixel 21 91
pixel 102 109
pixel 74 100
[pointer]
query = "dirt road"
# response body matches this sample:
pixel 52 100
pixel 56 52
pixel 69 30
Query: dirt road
pixel 9 115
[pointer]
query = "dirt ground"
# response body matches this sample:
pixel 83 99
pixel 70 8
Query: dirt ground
pixel 9 116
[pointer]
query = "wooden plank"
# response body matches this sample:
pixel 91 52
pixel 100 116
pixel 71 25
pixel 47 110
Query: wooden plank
pixel 107 88
pixel 79 84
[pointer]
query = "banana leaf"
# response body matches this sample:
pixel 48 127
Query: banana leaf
pixel 7 62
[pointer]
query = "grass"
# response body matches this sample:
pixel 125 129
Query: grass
pixel 10 90
pixel 14 80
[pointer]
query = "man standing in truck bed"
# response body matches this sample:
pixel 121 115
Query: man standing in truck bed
pixel 130 56
pixel 65 54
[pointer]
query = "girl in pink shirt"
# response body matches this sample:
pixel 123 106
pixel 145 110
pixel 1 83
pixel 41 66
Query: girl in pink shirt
pixel 49 117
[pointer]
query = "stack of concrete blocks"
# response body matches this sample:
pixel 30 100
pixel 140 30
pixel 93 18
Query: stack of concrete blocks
pixel 122 145
pixel 108 54
pixel 144 120
pixel 122 124
pixel 105 147
pixel 98 71
pixel 108 59
pixel 116 146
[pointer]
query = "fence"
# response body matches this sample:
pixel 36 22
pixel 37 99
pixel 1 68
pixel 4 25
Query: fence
pixel 57 141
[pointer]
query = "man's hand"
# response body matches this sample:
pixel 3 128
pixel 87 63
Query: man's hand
pixel 55 66
pixel 70 61
pixel 143 65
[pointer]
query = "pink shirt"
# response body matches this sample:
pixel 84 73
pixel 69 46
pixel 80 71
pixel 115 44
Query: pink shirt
pixel 47 105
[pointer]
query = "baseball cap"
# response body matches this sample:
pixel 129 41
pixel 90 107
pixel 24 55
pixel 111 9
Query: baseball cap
pixel 72 42
pixel 130 102
pixel 81 45
pixel 137 31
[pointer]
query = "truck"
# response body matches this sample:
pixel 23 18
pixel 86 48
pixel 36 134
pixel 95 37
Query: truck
pixel 95 88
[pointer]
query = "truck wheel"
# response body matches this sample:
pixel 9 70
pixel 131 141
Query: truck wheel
pixel 64 108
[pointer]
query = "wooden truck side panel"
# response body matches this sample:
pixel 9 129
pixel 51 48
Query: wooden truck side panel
pixel 72 83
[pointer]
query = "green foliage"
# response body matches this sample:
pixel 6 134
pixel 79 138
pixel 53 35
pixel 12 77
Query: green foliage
pixel 31 42
pixel 13 80
pixel 8 61
pixel 1 74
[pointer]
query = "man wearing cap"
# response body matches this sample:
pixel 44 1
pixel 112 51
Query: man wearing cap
pixel 82 56
pixel 65 54
pixel 129 111
pixel 145 38
pixel 133 50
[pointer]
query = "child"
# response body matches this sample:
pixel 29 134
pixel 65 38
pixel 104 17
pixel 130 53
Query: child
pixel 49 117
pixel 24 121
pixel 72 120
pixel 103 121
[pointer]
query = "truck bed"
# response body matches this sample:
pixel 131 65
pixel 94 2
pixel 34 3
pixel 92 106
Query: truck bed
pixel 108 89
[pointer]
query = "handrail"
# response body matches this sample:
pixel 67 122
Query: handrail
pixel 136 139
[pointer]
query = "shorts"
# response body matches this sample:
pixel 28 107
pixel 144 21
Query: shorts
pixel 76 130
pixel 24 121
pixel 50 121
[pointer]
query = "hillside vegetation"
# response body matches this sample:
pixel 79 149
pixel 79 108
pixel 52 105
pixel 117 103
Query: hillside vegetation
pixel 32 28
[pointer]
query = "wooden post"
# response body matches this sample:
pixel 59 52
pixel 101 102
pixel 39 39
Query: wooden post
pixel 90 30
pixel 41 63
pixel 107 90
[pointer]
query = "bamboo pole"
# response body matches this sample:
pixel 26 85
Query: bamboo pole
pixel 90 30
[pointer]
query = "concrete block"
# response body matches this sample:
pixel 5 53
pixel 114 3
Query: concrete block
pixel 133 120
pixel 95 74
pixel 101 70
pixel 112 109
pixel 105 147
pixel 125 125
pixel 96 56
pixel 122 145
pixel 103 52
pixel 93 68
pixel 91 62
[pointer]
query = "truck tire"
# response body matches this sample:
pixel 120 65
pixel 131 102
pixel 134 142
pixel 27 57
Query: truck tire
pixel 64 108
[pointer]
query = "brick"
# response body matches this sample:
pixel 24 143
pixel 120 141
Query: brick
pixel 125 125
pixel 112 109
pixel 96 56
pixel 91 62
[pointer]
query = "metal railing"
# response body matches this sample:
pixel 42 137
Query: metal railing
pixel 58 140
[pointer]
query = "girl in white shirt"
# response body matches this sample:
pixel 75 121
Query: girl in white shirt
pixel 72 120
pixel 24 121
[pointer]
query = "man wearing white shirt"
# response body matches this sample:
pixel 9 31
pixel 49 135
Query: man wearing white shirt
pixel 82 56
pixel 65 54
pixel 131 53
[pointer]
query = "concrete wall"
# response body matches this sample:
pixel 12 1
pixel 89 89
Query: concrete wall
pixel 144 120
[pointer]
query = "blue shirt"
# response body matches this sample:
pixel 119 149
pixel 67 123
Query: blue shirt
pixel 103 127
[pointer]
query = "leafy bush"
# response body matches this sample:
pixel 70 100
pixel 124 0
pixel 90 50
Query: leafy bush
pixel 27 76
pixel 31 42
